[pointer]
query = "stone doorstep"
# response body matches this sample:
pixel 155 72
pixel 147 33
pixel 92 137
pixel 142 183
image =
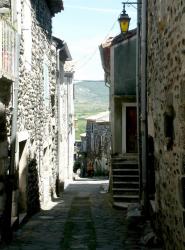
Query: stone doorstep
pixel 14 221
pixel 151 240
pixel 134 211
pixel 152 204
pixel 121 205
pixel 18 220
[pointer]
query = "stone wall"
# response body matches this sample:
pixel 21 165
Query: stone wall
pixel 37 93
pixel 5 4
pixel 166 108
pixel 66 128
pixel 98 146
pixel 64 133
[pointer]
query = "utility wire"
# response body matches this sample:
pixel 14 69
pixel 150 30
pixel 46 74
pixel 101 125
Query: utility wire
pixel 88 59
pixel 132 6
pixel 96 50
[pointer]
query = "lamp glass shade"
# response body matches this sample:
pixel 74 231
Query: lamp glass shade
pixel 124 25
pixel 124 21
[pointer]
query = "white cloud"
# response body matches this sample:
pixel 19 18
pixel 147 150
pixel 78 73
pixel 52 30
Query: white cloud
pixel 92 9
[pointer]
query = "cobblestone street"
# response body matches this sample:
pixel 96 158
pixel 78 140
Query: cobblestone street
pixel 83 219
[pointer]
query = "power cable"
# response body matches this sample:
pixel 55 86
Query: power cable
pixel 96 50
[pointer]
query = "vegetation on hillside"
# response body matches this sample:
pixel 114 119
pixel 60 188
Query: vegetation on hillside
pixel 91 97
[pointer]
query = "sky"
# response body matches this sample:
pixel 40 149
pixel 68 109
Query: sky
pixel 84 25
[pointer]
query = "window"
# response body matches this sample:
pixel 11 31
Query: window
pixel 169 127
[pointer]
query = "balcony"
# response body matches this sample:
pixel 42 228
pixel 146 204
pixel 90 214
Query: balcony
pixel 7 50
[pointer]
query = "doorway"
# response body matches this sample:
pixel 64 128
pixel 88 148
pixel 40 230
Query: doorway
pixel 129 128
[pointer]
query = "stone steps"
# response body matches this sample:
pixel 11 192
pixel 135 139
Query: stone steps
pixel 124 164
pixel 134 191
pixel 125 182
pixel 126 178
pixel 125 171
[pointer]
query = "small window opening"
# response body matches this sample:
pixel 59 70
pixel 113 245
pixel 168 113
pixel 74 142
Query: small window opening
pixel 183 191
pixel 169 127
pixel 53 105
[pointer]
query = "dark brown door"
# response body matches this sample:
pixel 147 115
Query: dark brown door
pixel 131 129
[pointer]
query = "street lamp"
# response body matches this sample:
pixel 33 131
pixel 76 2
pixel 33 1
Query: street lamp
pixel 124 20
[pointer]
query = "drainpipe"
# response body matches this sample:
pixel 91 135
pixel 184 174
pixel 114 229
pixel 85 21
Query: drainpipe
pixel 144 125
pixel 59 111
pixel 8 207
pixel 138 91
pixel 68 120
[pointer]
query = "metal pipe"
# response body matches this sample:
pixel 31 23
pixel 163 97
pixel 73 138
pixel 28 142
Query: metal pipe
pixel 15 109
pixel 9 185
pixel 68 120
pixel 59 111
pixel 144 125
pixel 138 86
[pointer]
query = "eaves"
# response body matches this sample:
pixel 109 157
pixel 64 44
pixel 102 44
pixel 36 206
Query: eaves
pixel 55 6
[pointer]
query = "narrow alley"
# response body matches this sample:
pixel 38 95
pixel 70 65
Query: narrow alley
pixel 92 125
pixel 82 219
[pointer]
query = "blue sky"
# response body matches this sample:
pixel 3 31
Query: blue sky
pixel 84 25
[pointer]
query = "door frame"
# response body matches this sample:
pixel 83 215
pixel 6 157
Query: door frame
pixel 124 141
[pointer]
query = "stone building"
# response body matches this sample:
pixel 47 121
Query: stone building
pixel 37 106
pixel 8 76
pixel 83 139
pixel 118 57
pixel 32 80
pixel 66 121
pixel 166 115
pixel 98 144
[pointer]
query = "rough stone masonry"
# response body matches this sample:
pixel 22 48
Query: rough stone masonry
pixel 166 108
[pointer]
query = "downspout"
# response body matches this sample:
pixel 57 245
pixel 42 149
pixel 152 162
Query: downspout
pixel 138 91
pixel 59 124
pixel 11 179
pixel 68 131
pixel 144 125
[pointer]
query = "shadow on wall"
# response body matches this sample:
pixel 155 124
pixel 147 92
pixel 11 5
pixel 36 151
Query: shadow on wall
pixel 59 188
pixel 33 201
pixel 5 183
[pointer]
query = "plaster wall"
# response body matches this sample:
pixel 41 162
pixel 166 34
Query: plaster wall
pixel 122 88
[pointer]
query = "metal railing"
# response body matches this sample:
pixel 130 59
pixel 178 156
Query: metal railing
pixel 7 49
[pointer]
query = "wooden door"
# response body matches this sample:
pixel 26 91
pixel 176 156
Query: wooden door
pixel 131 129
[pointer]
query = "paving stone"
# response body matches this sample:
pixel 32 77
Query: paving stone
pixel 82 219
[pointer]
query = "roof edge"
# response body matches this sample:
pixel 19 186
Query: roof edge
pixel 55 6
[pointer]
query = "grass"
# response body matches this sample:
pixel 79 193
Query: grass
pixel 68 228
pixel 92 235
pixel 79 223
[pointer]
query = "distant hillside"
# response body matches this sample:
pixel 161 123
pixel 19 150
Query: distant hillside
pixel 91 97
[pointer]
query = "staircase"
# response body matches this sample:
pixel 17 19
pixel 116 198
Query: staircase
pixel 125 181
